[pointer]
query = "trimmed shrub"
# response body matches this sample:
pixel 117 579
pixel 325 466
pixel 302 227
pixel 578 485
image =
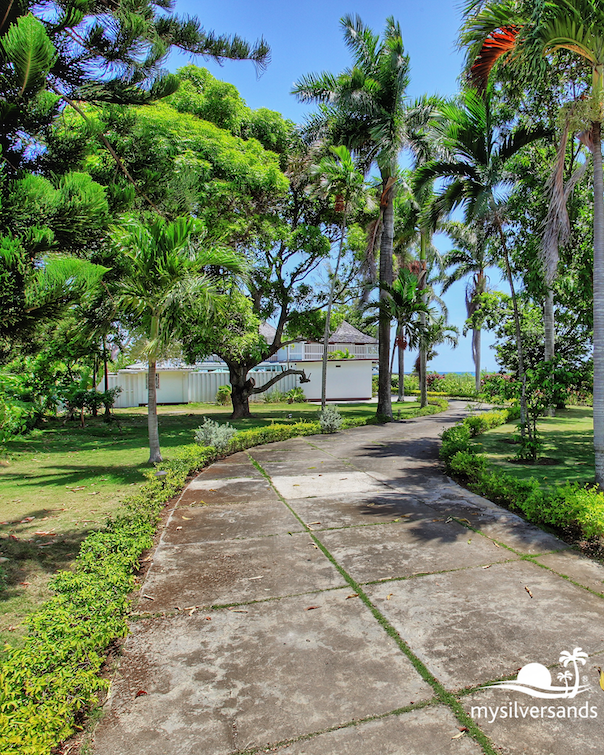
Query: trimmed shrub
pixel 211 433
pixel 454 440
pixel 330 419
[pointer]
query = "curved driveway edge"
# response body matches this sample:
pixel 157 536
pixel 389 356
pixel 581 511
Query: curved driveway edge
pixel 339 594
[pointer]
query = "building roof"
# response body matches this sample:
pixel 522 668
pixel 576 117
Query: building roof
pixel 346 333
pixel 268 332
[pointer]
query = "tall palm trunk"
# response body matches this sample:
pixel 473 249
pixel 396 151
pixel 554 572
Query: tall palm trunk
pixel 476 349
pixel 423 347
pixel 329 306
pixel 401 364
pixel 548 324
pixel 154 452
pixel 598 337
pixel 519 350
pixel 384 405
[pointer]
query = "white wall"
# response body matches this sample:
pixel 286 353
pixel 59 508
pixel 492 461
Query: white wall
pixel 346 379
pixel 181 386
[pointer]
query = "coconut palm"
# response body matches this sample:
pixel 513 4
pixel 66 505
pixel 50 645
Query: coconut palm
pixel 468 260
pixel 412 231
pixel 338 177
pixel 475 176
pixel 167 272
pixel 543 28
pixel 365 108
pixel 577 656
pixel 405 305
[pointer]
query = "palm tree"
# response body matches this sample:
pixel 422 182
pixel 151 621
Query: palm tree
pixel 564 676
pixel 166 273
pixel 576 26
pixel 468 259
pixel 577 656
pixel 413 231
pixel 337 176
pixel 475 174
pixel 364 107
pixel 405 305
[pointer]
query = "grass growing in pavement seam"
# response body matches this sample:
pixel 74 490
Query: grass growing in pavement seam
pixel 441 693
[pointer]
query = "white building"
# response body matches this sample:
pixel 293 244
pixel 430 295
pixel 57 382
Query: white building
pixel 176 383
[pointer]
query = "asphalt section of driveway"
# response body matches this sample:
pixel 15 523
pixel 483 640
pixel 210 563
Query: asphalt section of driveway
pixel 337 594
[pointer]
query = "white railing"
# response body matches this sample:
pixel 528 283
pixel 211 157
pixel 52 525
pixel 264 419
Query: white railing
pixel 314 351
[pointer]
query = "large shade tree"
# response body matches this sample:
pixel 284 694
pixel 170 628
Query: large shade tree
pixel 534 30
pixel 365 108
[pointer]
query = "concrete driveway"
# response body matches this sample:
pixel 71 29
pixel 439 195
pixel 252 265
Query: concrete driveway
pixel 337 594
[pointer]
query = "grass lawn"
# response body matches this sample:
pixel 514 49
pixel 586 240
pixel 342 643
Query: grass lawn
pixel 61 481
pixel 568 454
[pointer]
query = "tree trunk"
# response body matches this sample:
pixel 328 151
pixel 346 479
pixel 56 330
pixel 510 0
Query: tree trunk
pixel 328 318
pixel 521 372
pixel 384 405
pixel 241 390
pixel 154 451
pixel 598 338
pixel 423 363
pixel 476 349
pixel 95 410
pixel 548 322
pixel 401 365
pixel 423 346
pixel 106 378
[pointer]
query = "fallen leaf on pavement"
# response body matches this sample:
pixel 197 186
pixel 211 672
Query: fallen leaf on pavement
pixel 389 596
pixel 179 528
pixel 148 597
pixel 186 517
pixel 311 608
pixel 488 566
pixel 457 736
pixel 140 692
pixel 354 595
pixel 529 592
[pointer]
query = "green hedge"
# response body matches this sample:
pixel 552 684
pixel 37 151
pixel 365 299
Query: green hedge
pixel 566 506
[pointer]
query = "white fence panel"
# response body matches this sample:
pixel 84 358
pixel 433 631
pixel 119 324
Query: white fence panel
pixel 199 386
pixel 203 385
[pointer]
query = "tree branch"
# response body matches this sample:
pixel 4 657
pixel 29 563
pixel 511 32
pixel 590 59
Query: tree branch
pixel 279 376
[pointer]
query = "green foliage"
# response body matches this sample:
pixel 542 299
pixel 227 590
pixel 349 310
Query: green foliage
pixel 568 505
pixel 467 466
pixel 32 54
pixel 330 419
pixel 276 396
pixel 223 395
pixel 212 433
pixel 340 354
pixel 296 396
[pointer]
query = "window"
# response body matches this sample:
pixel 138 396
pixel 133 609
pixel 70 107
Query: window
pixel 156 381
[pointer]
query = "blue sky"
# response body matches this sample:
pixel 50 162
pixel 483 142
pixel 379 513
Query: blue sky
pixel 306 37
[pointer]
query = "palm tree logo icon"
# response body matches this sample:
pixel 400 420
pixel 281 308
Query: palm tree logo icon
pixel 577 656
pixel 535 679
